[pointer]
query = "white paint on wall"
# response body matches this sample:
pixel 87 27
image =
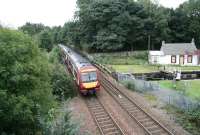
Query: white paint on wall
pixel 156 57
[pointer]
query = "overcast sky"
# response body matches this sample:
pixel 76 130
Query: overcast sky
pixel 14 13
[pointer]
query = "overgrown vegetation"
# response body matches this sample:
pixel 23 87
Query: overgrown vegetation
pixel 189 119
pixel 124 58
pixel 58 122
pixel 28 86
pixel 62 83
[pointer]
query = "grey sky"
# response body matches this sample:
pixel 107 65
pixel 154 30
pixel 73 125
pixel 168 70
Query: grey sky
pixel 14 13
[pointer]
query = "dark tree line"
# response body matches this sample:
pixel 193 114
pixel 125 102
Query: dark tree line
pixel 115 25
pixel 109 25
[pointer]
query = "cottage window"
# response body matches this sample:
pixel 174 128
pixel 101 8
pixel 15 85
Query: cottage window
pixel 173 59
pixel 155 59
pixel 189 59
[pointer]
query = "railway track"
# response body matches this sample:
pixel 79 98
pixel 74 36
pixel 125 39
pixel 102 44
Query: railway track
pixel 144 119
pixel 103 119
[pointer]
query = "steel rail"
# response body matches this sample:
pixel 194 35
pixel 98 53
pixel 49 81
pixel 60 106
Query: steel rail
pixel 104 121
pixel 116 93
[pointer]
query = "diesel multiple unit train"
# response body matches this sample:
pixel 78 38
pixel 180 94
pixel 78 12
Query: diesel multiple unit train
pixel 85 74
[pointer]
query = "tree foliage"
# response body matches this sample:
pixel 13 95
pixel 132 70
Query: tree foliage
pixel 115 25
pixel 45 40
pixel 25 89
pixel 62 82
pixel 32 29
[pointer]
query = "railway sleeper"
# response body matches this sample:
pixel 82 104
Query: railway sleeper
pixel 154 128
pixel 100 113
pixel 133 109
pixel 105 122
pixel 145 120
pixel 108 125
pixel 140 116
pixel 103 119
pixel 114 133
pixel 95 110
pixel 123 100
pixel 147 123
pixel 134 112
pixel 158 132
pixel 108 130
pixel 101 116
pixel 128 106
pixel 92 106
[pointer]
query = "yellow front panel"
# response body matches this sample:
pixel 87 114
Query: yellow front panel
pixel 90 85
pixel 88 70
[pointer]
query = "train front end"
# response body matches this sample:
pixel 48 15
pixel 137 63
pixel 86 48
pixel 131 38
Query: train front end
pixel 89 81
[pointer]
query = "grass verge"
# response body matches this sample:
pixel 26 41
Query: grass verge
pixel 190 87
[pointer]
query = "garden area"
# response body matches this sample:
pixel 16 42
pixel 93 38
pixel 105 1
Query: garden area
pixel 134 62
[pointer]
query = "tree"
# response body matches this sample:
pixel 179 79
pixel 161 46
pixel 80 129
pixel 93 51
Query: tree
pixel 32 28
pixel 45 40
pixel 25 90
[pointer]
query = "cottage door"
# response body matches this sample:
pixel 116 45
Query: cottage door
pixel 181 60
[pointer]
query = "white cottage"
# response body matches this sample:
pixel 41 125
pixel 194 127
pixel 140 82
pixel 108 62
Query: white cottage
pixel 175 54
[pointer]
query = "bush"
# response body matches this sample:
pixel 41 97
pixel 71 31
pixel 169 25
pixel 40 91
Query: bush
pixel 62 83
pixel 129 85
pixel 55 55
pixel 60 122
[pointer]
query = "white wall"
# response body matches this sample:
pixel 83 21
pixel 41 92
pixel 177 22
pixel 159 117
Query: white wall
pixel 194 61
pixel 166 60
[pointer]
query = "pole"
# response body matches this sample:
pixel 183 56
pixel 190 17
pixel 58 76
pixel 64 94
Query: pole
pixel 149 42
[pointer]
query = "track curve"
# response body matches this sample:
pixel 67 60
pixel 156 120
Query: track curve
pixel 144 119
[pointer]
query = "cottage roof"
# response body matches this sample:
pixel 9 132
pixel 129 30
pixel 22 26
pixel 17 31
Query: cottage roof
pixel 178 48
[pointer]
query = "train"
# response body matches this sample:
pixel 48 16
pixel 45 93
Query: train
pixel 85 74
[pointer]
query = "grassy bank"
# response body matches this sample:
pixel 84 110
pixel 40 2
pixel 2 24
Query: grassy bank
pixel 135 68
pixel 190 88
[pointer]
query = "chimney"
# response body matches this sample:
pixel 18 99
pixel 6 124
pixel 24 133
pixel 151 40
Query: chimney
pixel 193 42
pixel 163 42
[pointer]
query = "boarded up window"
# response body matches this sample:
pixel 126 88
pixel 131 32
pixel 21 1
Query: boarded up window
pixel 189 59
pixel 173 59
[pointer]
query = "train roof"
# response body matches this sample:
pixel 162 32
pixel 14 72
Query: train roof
pixel 78 60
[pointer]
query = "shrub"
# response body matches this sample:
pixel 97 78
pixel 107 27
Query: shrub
pixel 62 83
pixel 60 123
pixel 129 85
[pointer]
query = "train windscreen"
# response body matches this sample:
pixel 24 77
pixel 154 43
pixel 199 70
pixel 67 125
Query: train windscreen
pixel 89 77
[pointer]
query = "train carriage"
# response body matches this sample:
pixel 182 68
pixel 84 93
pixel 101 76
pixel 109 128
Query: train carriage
pixel 84 73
